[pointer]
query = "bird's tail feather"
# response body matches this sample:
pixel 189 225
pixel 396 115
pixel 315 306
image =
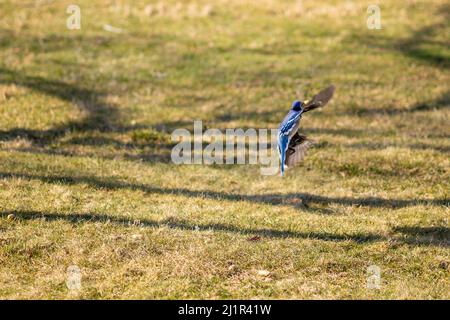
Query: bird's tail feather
pixel 282 146
pixel 282 160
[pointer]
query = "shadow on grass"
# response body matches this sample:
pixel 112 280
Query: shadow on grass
pixel 436 236
pixel 421 45
pixel 424 235
pixel 272 199
pixel 385 145
pixel 184 225
pixel 441 102
pixel 100 115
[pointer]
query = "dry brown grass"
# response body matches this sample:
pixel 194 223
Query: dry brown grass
pixel 86 177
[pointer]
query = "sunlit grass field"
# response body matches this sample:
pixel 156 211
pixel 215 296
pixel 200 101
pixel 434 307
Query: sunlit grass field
pixel 86 177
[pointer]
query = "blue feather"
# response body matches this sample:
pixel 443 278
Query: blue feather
pixel 283 142
pixel 285 129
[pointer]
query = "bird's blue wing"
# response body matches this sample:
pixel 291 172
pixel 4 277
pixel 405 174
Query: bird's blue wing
pixel 289 123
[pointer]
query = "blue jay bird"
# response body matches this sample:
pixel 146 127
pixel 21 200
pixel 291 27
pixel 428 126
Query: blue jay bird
pixel 292 146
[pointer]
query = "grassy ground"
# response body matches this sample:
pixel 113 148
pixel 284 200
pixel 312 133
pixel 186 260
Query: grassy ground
pixel 85 171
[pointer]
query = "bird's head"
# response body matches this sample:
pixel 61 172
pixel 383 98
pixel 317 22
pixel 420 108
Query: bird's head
pixel 297 105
